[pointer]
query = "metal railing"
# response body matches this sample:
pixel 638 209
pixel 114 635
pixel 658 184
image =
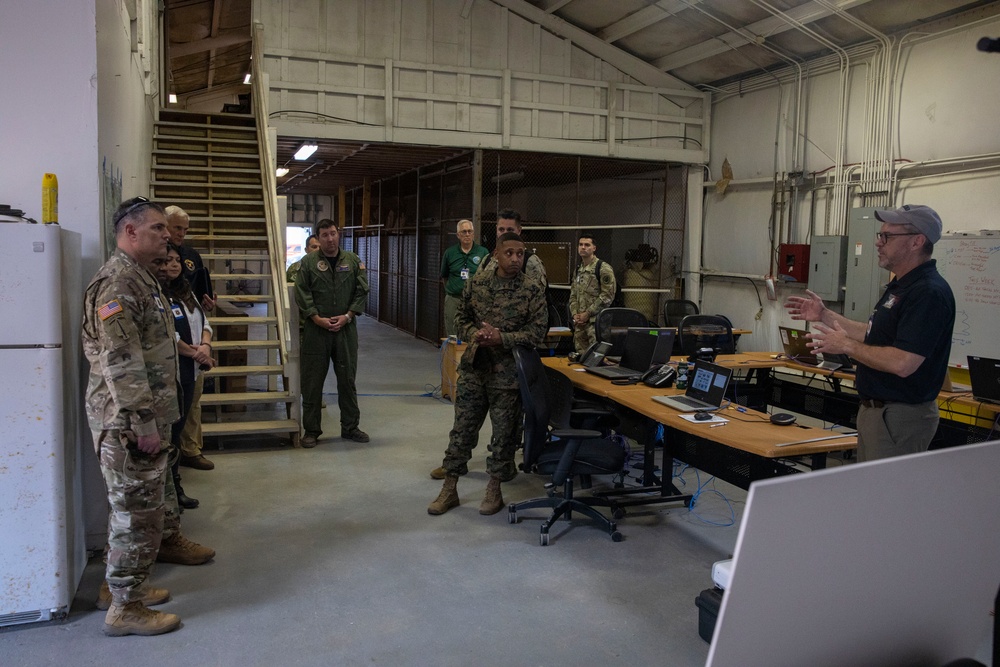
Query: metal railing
pixel 275 237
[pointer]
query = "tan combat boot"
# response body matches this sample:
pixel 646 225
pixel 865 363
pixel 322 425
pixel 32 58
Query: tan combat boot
pixel 493 500
pixel 150 596
pixel 448 497
pixel 182 551
pixel 134 618
pixel 438 473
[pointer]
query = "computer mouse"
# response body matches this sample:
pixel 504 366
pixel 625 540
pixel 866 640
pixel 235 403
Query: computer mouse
pixel 782 419
pixel 702 416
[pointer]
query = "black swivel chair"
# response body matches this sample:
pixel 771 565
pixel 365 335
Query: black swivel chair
pixel 611 325
pixel 554 449
pixel 675 310
pixel 700 331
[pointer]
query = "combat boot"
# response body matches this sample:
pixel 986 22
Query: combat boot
pixel 182 551
pixel 493 500
pixel 134 618
pixel 448 497
pixel 438 473
pixel 150 596
pixel 184 500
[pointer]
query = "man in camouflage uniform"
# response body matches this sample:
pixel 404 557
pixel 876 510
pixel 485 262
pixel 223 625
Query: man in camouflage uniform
pixel 590 293
pixel 128 338
pixel 501 307
pixel 509 222
pixel 292 272
pixel 331 291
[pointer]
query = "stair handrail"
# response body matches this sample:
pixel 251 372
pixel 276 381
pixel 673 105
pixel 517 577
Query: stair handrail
pixel 275 238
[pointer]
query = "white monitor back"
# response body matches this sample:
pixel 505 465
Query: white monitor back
pixel 891 562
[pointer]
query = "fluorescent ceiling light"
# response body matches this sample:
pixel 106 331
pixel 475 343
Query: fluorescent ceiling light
pixel 246 79
pixel 508 177
pixel 305 150
pixel 173 98
pixel 280 171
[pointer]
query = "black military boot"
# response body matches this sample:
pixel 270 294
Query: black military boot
pixel 182 498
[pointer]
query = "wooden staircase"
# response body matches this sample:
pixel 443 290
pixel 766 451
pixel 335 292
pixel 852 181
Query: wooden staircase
pixel 210 165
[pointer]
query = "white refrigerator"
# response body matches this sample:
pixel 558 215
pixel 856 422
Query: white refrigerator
pixel 42 550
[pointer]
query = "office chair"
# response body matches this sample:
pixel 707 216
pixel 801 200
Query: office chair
pixel 554 449
pixel 675 310
pixel 699 331
pixel 611 325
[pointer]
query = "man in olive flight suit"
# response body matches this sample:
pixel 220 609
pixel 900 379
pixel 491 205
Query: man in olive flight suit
pixel 331 291
pixel 131 402
pixel 502 307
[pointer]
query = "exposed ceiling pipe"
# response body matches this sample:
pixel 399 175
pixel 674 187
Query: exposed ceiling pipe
pixel 839 203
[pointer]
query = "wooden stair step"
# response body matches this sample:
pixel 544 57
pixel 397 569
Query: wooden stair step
pixel 201 219
pixel 244 345
pixel 201 184
pixel 258 257
pixel 195 119
pixel 223 321
pixel 245 370
pixel 204 133
pixel 240 276
pixel 251 427
pixel 215 202
pixel 211 170
pixel 245 298
pixel 247 398
pixel 226 237
pixel 172 152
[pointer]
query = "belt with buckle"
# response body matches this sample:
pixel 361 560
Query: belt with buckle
pixel 872 403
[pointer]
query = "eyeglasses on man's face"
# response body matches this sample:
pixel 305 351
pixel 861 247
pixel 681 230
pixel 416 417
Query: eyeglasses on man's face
pixel 883 237
pixel 464 232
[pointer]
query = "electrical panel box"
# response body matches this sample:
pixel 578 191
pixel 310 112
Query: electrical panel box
pixel 865 278
pixel 828 267
pixel 793 262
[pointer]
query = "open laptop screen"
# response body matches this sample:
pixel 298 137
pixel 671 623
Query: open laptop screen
pixel 984 375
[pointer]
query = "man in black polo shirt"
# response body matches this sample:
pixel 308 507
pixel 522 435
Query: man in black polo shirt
pixel 902 351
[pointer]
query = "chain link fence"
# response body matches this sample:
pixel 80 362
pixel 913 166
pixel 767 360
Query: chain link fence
pixel 634 210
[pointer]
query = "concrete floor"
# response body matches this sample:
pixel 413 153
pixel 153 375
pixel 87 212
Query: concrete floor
pixel 328 557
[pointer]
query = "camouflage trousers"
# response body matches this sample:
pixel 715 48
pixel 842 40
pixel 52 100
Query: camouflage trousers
pixel 474 399
pixel 584 336
pixel 143 508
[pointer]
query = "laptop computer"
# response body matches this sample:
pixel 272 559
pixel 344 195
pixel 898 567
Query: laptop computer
pixel 984 375
pixel 707 384
pixel 797 349
pixel 644 347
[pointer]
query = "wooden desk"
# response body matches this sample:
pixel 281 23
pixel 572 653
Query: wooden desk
pixel 747 448
pixel 451 355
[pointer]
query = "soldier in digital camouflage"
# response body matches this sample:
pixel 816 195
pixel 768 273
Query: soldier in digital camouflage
pixel 501 307
pixel 131 401
pixel 592 291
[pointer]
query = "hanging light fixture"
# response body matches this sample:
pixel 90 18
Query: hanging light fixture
pixel 281 171
pixel 305 150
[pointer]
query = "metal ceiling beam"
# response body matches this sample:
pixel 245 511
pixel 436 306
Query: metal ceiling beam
pixel 549 6
pixel 178 50
pixel 643 19
pixel 807 13
pixel 638 69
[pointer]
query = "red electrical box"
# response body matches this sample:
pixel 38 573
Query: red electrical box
pixel 793 262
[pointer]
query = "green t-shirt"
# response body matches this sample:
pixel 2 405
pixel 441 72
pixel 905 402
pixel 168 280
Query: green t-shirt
pixel 457 266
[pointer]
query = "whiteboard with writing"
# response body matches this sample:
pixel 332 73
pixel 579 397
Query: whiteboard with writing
pixel 971 265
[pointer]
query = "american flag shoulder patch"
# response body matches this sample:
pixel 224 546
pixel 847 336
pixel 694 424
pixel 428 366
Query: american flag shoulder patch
pixel 109 309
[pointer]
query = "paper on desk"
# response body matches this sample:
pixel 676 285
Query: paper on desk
pixel 716 419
